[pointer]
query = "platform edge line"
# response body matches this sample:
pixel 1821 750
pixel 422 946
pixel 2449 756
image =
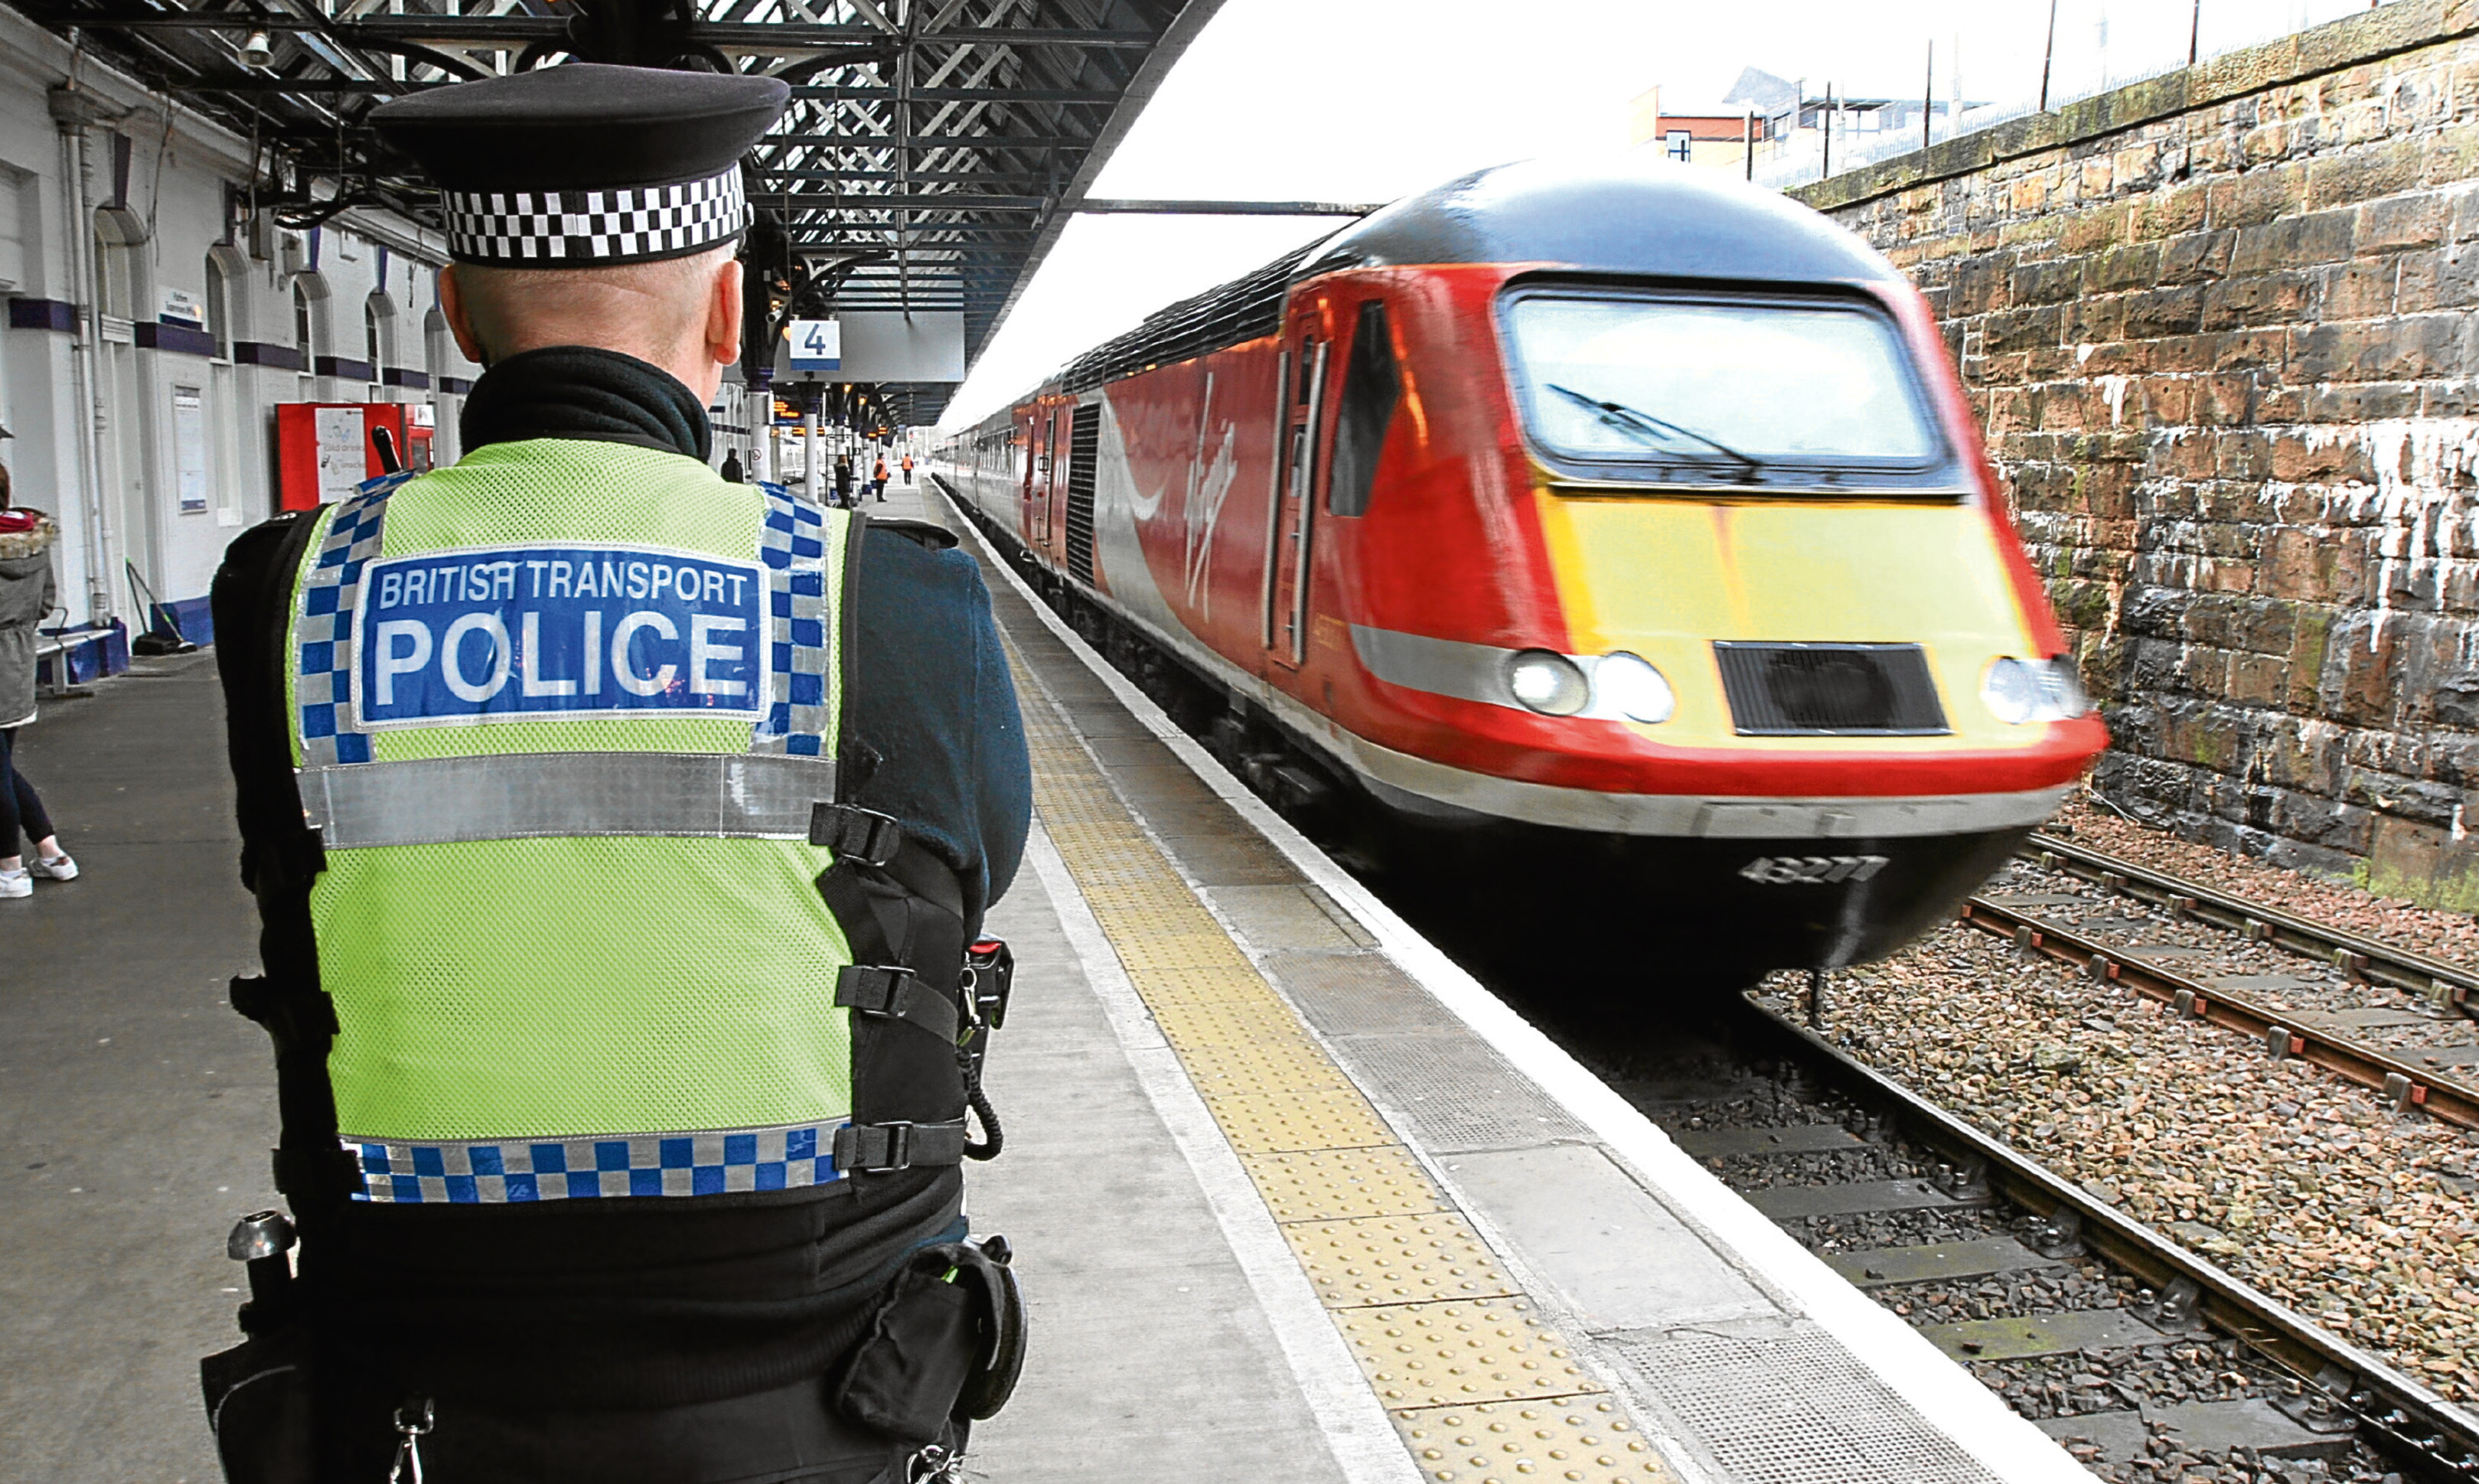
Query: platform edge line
pixel 1941 1391
pixel 1358 1433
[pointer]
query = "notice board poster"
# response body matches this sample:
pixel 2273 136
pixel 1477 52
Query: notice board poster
pixel 342 452
pixel 323 449
pixel 190 449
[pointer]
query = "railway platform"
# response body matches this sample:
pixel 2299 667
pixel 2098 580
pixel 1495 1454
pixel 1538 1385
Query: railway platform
pixel 1295 1198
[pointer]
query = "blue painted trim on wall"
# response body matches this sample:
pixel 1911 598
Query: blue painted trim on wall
pixel 346 370
pixel 258 352
pixel 187 339
pixel 454 386
pixel 398 376
pixel 31 313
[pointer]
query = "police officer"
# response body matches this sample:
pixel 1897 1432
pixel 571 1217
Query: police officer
pixel 617 833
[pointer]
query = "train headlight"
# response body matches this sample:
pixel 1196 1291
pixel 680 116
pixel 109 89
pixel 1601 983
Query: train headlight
pixel 1548 682
pixel 2035 690
pixel 1632 688
pixel 2012 692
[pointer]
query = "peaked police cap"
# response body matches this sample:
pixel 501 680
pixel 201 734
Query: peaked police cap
pixel 586 165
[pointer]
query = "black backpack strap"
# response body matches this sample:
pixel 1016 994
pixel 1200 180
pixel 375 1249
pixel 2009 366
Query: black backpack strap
pixel 281 858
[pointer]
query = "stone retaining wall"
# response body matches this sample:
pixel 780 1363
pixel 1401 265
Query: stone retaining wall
pixel 2220 329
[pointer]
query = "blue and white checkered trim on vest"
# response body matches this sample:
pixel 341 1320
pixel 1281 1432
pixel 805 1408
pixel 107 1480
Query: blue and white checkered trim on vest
pixel 495 1172
pixel 793 547
pixel 323 679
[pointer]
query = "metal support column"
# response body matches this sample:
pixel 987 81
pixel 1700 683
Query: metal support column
pixel 810 460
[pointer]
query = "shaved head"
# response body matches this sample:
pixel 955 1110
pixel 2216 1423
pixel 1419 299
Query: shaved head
pixel 680 313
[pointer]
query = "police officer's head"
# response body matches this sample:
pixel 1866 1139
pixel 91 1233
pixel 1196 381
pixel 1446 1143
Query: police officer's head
pixel 592 205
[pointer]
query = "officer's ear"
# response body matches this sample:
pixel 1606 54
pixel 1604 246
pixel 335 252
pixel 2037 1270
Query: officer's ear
pixel 723 313
pixel 460 324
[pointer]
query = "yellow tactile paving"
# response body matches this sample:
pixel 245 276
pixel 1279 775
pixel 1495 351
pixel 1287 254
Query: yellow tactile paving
pixel 1437 1354
pixel 1277 1122
pixel 1224 1068
pixel 1526 1441
pixel 1397 1260
pixel 1479 1388
pixel 1219 1022
pixel 1334 1185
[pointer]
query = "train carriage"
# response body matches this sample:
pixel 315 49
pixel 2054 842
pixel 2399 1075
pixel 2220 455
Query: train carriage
pixel 1627 520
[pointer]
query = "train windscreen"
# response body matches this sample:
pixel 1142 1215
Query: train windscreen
pixel 1742 390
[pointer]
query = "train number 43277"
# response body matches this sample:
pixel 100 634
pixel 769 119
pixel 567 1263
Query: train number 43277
pixel 1819 870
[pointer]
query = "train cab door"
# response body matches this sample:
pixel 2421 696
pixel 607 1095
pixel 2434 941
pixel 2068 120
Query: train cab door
pixel 1046 481
pixel 1290 523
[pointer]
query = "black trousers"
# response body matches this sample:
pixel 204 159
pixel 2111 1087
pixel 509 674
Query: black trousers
pixel 20 809
pixel 790 1436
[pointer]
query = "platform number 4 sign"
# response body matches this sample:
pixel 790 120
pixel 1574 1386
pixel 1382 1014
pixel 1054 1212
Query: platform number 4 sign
pixel 817 344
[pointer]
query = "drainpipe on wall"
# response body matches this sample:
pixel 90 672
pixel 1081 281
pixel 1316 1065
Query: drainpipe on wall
pixel 74 109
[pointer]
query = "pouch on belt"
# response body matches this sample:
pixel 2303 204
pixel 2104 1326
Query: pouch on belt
pixel 947 1343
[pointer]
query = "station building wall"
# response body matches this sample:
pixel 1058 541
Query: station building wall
pixel 170 324
pixel 2222 329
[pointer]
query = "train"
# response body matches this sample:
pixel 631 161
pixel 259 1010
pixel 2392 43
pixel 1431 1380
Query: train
pixel 1620 529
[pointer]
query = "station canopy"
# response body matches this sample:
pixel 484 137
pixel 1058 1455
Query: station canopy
pixel 933 152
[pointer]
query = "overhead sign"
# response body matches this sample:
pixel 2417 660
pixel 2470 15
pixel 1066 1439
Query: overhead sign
pixel 816 345
pixel 880 345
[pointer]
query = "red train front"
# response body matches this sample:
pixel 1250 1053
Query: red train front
pixel 1628 523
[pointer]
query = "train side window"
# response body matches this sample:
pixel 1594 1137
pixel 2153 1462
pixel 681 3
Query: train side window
pixel 1371 386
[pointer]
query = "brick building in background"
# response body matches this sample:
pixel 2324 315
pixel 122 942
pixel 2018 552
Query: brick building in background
pixel 2222 328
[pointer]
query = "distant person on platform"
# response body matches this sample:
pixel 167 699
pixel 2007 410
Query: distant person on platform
pixel 907 470
pixel 844 481
pixel 730 470
pixel 622 1052
pixel 27 592
pixel 878 481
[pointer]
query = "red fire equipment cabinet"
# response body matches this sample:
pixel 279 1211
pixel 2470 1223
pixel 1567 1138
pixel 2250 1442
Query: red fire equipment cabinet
pixel 323 450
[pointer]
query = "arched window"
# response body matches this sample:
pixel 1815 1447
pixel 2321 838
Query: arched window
pixel 314 333
pixel 378 337
pixel 219 317
pixel 438 348
pixel 118 234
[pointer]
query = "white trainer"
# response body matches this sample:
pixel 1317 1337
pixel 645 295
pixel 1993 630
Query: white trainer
pixel 60 868
pixel 15 883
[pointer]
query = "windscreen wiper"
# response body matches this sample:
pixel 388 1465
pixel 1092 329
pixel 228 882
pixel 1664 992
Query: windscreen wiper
pixel 1620 415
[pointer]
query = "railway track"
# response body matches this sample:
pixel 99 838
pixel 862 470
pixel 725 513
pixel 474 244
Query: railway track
pixel 2146 1359
pixel 2144 955
pixel 2371 959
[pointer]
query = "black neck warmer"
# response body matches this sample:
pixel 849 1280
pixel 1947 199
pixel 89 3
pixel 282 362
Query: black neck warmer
pixel 583 391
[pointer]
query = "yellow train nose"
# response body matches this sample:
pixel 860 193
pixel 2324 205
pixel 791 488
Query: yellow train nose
pixel 1670 579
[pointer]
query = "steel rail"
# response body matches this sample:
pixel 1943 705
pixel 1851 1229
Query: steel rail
pixel 2368 957
pixel 2279 1031
pixel 2397 1409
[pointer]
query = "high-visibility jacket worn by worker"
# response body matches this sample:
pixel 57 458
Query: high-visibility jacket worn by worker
pixel 578 804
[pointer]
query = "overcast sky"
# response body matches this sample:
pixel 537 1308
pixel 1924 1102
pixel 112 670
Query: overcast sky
pixel 1366 100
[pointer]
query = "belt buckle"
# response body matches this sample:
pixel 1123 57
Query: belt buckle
pixel 853 1138
pixel 864 837
pixel 875 988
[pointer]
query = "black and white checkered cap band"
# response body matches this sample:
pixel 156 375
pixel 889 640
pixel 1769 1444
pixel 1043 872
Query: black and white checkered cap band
pixel 580 228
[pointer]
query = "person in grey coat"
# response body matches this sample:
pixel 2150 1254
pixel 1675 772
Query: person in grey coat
pixel 26 593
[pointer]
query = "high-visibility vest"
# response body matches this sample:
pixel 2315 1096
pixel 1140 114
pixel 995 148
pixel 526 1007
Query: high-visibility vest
pixel 564 715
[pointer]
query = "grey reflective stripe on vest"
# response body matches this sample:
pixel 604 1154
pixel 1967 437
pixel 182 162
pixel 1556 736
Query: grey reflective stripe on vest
pixel 438 800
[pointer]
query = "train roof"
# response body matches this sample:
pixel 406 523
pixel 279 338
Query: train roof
pixel 1638 214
